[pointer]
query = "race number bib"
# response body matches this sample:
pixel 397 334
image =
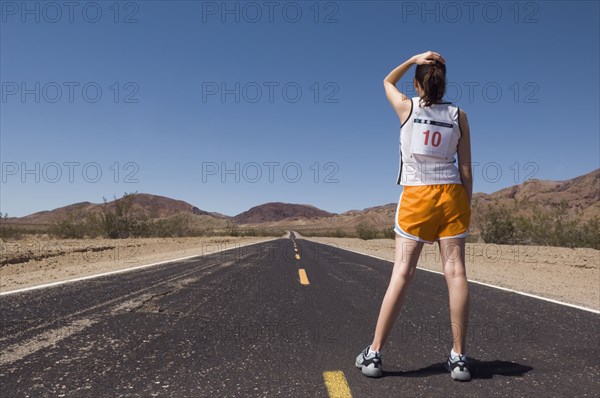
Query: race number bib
pixel 432 138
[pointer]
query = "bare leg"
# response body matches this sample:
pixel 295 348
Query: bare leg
pixel 453 263
pixel 405 262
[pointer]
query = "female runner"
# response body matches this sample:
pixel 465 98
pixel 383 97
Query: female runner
pixel 435 204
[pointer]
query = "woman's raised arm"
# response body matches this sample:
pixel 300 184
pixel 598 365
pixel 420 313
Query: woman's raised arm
pixel 399 101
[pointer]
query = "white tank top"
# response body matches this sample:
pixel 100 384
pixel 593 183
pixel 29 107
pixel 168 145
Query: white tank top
pixel 428 145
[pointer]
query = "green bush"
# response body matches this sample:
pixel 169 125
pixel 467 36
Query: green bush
pixel 365 232
pixel 544 227
pixel 118 221
pixel 68 228
pixel 232 230
pixel 76 226
pixel 8 232
pixel 338 233
pixel 498 226
pixel 590 234
pixel 175 226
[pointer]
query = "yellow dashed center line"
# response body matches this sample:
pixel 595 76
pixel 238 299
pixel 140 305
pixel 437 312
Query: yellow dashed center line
pixel 337 386
pixel 303 277
pixel 335 381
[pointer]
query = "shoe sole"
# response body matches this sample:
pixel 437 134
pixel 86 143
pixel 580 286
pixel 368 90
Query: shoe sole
pixel 369 372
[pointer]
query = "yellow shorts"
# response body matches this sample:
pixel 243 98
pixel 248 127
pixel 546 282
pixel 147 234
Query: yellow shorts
pixel 427 213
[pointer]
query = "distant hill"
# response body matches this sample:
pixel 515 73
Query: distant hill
pixel 580 194
pixel 377 217
pixel 277 211
pixel 155 206
pixel 152 206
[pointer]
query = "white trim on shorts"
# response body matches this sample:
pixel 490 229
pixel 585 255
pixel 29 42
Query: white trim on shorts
pixel 463 235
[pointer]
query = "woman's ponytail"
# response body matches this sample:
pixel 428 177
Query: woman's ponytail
pixel 432 78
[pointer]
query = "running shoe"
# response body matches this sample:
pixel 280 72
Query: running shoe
pixel 369 364
pixel 458 368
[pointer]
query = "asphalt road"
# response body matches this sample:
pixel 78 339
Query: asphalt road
pixel 258 321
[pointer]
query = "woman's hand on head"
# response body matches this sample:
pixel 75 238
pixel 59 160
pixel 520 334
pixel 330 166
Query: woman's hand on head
pixel 428 57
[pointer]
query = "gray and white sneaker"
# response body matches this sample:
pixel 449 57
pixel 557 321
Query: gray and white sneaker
pixel 369 364
pixel 458 368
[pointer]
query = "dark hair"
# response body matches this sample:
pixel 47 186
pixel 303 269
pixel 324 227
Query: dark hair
pixel 432 79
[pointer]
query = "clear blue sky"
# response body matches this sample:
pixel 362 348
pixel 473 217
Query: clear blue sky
pixel 525 73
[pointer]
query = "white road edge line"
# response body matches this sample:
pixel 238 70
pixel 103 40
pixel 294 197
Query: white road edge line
pixel 479 283
pixel 82 278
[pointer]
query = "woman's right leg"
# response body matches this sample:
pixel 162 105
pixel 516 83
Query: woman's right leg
pixel 405 263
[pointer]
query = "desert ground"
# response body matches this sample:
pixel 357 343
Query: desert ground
pixel 569 275
pixel 34 261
